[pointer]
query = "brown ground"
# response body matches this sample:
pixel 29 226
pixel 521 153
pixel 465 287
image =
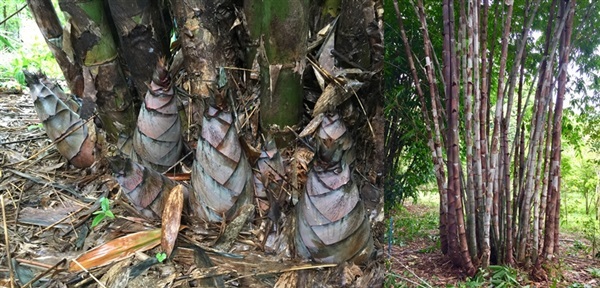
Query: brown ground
pixel 416 263
pixel 47 209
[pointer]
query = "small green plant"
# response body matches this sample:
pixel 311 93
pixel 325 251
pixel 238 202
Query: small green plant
pixel 31 56
pixel 408 228
pixel 37 126
pixel 479 280
pixel 578 245
pixel 504 276
pixel 591 233
pixel 579 285
pixel 494 276
pixel 105 212
pixel 161 257
pixel 431 249
pixel 595 272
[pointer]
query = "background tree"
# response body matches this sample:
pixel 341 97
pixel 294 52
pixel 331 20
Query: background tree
pixel 502 80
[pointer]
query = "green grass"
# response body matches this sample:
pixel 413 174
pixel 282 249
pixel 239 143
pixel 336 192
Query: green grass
pixel 417 223
pixel 573 218
pixel 584 228
pixel 408 228
pixel 29 51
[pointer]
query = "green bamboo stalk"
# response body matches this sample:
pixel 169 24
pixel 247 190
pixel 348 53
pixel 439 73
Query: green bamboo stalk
pixel 93 46
pixel 272 24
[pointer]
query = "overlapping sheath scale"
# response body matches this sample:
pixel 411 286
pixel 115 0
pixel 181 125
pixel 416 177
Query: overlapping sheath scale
pixel 270 169
pixel 157 139
pixel 331 223
pixel 74 139
pixel 221 175
pixel 144 187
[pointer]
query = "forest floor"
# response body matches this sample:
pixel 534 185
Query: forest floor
pixel 48 205
pixel 417 261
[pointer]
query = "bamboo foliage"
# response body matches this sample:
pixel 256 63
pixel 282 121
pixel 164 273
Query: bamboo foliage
pixel 331 223
pixel 74 139
pixel 157 140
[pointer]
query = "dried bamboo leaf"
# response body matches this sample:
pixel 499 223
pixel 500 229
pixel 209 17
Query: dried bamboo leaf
pixel 74 139
pixel 157 140
pixel 333 95
pixel 118 275
pixel 201 260
pixel 287 280
pixel 351 272
pixel 221 175
pixel 145 188
pixel 117 249
pixel 171 219
pixel 312 126
pixel 251 153
pixel 49 216
pixel 233 229
pixel 324 55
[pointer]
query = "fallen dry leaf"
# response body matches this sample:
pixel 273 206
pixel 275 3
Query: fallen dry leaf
pixel 351 272
pixel 117 249
pixel 171 219
pixel 287 280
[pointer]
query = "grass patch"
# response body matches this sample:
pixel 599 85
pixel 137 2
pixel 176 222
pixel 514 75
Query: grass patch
pixel 495 276
pixel 411 222
pixel 580 225
pixel 27 50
